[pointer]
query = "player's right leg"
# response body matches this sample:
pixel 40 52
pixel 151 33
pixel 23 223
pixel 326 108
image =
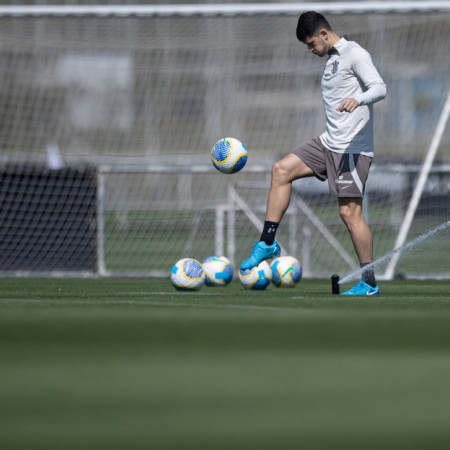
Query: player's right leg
pixel 351 213
pixel 290 168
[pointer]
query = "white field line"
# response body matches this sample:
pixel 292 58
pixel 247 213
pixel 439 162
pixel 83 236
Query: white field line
pixel 148 303
pixel 302 313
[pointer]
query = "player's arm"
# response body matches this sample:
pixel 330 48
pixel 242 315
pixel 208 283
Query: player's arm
pixel 367 73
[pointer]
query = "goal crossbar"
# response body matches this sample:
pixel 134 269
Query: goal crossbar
pixel 225 9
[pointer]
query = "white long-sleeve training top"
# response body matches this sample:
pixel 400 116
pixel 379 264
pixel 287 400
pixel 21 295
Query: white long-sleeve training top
pixel 350 73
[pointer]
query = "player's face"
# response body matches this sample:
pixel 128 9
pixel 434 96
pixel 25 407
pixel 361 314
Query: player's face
pixel 317 44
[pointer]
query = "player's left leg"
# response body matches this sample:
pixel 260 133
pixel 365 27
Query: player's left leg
pixel 350 210
pixel 288 169
pixel 284 172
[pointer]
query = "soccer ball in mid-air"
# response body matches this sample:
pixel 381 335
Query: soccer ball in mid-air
pixel 187 275
pixel 218 270
pixel 229 155
pixel 286 271
pixel 257 278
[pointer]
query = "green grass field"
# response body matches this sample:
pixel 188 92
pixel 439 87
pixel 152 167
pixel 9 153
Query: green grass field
pixel 120 363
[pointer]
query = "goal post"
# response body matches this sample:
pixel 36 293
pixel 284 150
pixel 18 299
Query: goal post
pixel 418 191
pixel 142 238
pixel 136 95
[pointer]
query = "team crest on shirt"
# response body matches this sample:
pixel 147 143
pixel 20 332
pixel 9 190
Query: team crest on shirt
pixel 335 65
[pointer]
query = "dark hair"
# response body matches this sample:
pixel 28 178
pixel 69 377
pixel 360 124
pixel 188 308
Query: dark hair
pixel 309 24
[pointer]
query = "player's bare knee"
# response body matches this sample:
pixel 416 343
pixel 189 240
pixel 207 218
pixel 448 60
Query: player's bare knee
pixel 352 218
pixel 344 213
pixel 279 174
pixel 347 216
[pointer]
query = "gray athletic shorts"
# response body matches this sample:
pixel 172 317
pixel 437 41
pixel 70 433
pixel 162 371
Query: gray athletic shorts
pixel 346 173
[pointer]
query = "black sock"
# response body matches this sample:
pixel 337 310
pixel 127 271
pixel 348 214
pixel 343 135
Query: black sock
pixel 368 275
pixel 268 233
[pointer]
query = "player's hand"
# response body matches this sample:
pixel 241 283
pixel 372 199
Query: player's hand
pixel 347 105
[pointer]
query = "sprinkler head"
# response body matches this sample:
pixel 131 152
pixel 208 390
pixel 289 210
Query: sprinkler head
pixel 335 284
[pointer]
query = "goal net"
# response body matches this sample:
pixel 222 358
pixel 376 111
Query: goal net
pixel 121 105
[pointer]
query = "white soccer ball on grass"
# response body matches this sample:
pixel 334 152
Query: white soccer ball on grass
pixel 218 271
pixel 187 275
pixel 286 271
pixel 257 278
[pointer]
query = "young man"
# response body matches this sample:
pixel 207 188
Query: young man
pixel 342 154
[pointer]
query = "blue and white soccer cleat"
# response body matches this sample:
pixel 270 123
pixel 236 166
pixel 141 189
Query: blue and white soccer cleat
pixel 362 288
pixel 261 251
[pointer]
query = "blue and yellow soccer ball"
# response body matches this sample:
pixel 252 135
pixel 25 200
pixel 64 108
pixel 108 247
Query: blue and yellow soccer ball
pixel 229 155
pixel 187 275
pixel 218 271
pixel 257 278
pixel 286 272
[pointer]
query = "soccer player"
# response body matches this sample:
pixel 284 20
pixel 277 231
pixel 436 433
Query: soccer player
pixel 342 154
